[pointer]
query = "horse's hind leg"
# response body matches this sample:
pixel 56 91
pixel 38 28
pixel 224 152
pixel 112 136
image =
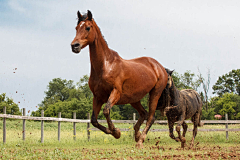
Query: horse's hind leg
pixel 185 126
pixel 154 95
pixel 195 120
pixel 143 115
pixel 178 128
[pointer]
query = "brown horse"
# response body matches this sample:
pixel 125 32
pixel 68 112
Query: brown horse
pixel 178 106
pixel 114 80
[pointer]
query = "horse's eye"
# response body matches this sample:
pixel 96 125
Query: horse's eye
pixel 88 28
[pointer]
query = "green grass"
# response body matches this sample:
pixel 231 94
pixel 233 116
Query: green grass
pixel 100 145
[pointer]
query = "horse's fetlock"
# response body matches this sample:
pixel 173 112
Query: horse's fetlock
pixel 171 136
pixel 94 123
pixel 178 128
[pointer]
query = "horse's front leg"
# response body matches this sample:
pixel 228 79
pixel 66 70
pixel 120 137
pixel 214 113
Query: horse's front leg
pixel 112 100
pixel 170 126
pixel 97 105
pixel 178 128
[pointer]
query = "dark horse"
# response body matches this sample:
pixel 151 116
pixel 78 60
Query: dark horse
pixel 179 106
pixel 114 80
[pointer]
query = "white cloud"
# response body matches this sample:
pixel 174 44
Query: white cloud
pixel 16 5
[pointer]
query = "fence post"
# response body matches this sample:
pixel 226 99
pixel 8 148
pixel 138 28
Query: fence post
pixel 74 126
pixel 59 126
pixel 24 124
pixel 4 125
pixel 134 118
pixel 42 126
pixel 226 118
pixel 88 126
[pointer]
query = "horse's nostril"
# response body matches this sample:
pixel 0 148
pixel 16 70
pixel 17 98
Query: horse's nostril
pixel 76 45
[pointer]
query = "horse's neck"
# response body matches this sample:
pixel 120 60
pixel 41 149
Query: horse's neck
pixel 174 95
pixel 100 54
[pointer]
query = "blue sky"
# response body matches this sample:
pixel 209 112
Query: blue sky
pixel 35 38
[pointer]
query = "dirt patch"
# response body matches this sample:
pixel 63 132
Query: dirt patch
pixel 205 152
pixel 161 152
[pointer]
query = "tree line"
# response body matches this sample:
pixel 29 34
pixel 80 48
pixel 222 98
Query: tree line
pixel 66 96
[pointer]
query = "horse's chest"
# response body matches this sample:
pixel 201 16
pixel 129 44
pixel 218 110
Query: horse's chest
pixel 101 89
pixel 173 113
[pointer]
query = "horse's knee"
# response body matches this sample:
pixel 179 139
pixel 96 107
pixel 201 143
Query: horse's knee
pixel 94 122
pixel 105 111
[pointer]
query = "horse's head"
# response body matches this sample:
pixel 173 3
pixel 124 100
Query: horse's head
pixel 170 82
pixel 84 32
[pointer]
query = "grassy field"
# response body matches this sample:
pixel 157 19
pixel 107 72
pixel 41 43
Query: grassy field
pixel 158 145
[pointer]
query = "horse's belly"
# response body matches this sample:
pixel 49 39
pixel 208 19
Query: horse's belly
pixel 191 111
pixel 134 92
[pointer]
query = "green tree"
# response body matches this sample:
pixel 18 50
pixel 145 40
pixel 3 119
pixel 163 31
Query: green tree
pixel 11 107
pixel 59 88
pixel 228 103
pixel 84 87
pixel 81 106
pixel 63 96
pixel 187 80
pixel 228 83
pixel 208 114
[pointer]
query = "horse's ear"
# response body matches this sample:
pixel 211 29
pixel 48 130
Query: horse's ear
pixel 171 72
pixel 89 15
pixel 79 15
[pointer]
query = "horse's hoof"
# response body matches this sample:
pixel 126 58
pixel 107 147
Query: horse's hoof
pixel 137 136
pixel 116 133
pixel 177 139
pixel 139 145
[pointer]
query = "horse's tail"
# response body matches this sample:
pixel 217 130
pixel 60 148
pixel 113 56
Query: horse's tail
pixel 163 100
pixel 200 124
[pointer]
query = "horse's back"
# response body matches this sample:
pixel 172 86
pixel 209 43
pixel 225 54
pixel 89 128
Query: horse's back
pixel 193 100
pixel 149 63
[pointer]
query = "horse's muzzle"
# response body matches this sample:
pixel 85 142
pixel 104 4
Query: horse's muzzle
pixel 76 48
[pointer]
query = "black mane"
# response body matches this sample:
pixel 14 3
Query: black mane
pixel 82 18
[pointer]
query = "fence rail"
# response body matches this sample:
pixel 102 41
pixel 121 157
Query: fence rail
pixel 74 120
pixel 104 121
